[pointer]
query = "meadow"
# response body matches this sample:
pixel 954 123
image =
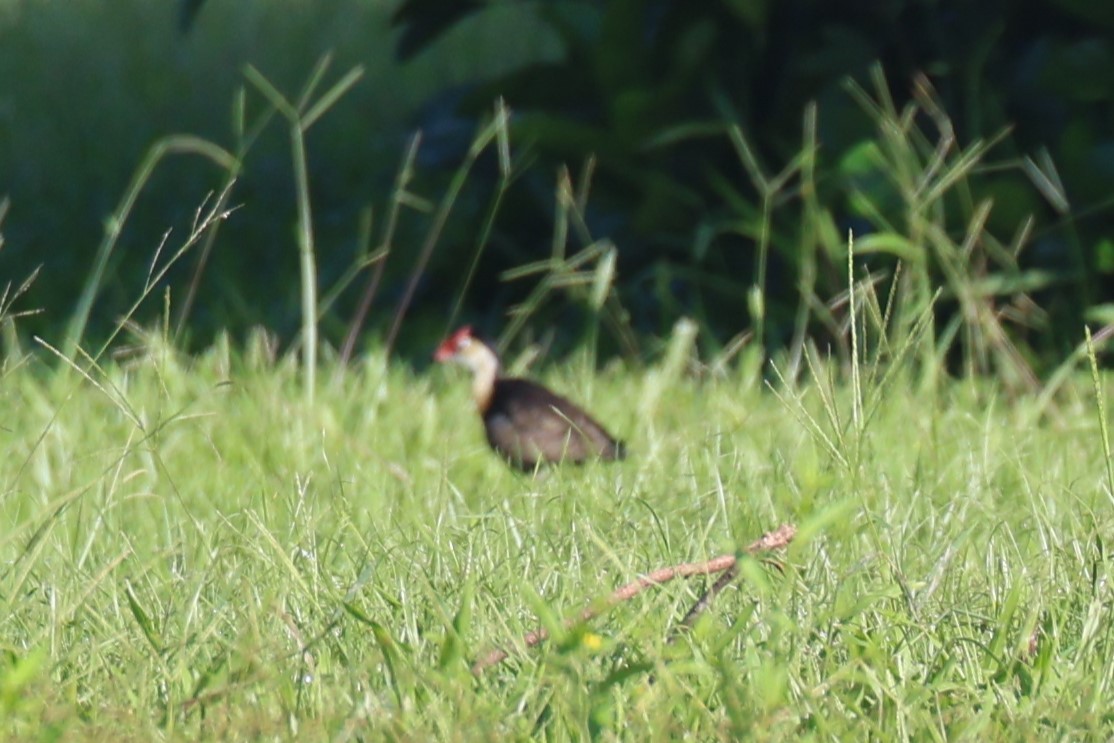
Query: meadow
pixel 194 549
pixel 283 535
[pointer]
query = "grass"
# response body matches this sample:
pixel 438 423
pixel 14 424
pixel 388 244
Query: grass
pixel 238 545
pixel 110 83
pixel 195 550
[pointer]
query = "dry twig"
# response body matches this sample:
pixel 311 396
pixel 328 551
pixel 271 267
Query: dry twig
pixel 773 540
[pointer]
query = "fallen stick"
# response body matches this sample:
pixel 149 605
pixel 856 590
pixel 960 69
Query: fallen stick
pixel 773 540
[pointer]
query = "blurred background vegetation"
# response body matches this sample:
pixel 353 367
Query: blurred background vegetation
pixel 655 159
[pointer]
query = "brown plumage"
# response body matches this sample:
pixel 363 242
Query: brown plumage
pixel 526 423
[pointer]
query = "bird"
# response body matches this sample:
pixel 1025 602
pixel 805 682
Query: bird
pixel 527 424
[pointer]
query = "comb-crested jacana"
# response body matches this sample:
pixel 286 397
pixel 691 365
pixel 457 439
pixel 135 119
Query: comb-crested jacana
pixel 525 422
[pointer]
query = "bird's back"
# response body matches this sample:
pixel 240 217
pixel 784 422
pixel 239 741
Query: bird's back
pixel 527 424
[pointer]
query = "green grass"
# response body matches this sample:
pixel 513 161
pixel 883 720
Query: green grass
pixel 193 550
pixel 238 545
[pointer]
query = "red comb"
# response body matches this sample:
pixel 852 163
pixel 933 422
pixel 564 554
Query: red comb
pixel 447 349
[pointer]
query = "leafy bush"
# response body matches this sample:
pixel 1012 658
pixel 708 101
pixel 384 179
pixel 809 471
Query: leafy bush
pixel 982 174
pixel 655 160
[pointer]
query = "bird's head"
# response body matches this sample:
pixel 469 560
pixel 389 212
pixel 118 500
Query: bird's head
pixel 466 348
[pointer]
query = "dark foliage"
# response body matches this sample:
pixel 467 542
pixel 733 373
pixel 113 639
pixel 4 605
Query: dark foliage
pixel 649 88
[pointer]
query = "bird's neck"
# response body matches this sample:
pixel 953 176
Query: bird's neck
pixel 485 370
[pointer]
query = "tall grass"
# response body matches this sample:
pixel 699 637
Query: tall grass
pixel 918 200
pixel 942 237
pixel 114 225
pixel 230 546
pixel 197 550
pixel 94 86
pixel 300 116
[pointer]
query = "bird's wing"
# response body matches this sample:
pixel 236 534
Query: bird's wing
pixel 543 424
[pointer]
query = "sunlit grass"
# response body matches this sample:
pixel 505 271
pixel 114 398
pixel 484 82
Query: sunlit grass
pixel 193 549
